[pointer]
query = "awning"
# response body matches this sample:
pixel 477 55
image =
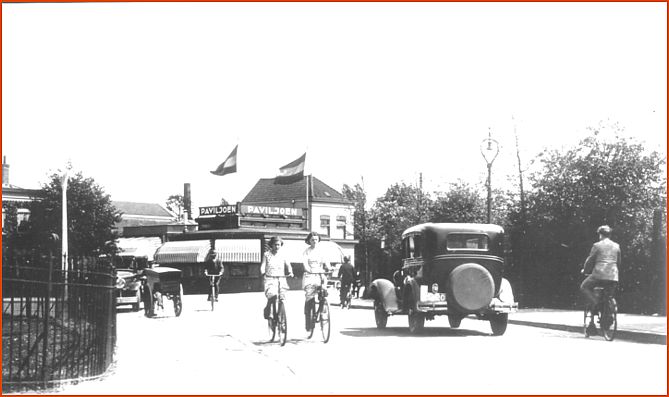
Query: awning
pixel 183 252
pixel 293 250
pixel 238 250
pixel 138 246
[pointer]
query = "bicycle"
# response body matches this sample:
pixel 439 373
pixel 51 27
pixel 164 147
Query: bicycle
pixel 213 297
pixel 346 303
pixel 277 323
pixel 605 313
pixel 322 314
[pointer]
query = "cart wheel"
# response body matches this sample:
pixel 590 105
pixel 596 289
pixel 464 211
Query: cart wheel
pixel 178 304
pixel 148 302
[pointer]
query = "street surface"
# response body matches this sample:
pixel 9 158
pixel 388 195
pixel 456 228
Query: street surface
pixel 227 352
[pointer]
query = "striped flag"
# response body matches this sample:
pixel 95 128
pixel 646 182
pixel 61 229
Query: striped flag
pixel 229 165
pixel 291 172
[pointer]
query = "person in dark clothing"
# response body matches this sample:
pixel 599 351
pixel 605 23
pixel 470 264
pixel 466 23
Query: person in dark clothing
pixel 347 278
pixel 357 283
pixel 213 267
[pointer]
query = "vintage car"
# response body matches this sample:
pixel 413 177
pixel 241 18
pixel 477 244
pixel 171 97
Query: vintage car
pixel 128 272
pixel 159 283
pixel 452 269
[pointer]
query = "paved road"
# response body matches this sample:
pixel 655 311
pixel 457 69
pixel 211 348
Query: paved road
pixel 226 352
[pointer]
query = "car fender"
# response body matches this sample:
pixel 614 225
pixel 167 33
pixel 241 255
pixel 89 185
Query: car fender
pixel 384 291
pixel 505 292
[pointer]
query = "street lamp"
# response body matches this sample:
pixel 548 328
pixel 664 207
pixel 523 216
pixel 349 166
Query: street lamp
pixel 489 150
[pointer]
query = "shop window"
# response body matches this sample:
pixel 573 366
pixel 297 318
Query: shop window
pixel 325 225
pixel 341 227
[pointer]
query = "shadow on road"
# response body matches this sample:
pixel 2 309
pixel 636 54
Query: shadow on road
pixel 638 337
pixel 404 332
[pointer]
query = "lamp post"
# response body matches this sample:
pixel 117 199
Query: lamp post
pixel 489 150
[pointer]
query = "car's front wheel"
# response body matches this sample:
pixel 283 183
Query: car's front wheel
pixel 416 321
pixel 498 323
pixel 380 314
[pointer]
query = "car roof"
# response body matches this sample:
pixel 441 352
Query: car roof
pixel 454 227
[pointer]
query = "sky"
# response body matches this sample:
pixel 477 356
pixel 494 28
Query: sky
pixel 144 97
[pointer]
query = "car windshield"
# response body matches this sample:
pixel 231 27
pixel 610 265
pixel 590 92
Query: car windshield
pixel 467 241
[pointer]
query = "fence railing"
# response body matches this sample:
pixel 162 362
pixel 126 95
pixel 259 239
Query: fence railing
pixel 56 325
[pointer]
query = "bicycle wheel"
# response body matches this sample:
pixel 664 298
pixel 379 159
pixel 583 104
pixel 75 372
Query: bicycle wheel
pixel 213 297
pixel 271 324
pixel 609 319
pixel 324 319
pixel 282 324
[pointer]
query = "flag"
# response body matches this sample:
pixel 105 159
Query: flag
pixel 229 165
pixel 291 172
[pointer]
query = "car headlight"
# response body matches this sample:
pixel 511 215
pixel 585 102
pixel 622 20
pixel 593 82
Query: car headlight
pixel 120 283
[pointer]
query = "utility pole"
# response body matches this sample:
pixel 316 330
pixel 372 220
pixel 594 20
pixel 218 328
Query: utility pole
pixel 420 197
pixel 520 174
pixel 367 273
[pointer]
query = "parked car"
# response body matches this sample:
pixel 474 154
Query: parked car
pixel 128 272
pixel 451 269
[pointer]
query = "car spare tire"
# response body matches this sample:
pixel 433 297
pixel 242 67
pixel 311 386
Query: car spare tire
pixel 471 287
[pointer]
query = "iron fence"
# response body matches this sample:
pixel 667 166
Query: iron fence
pixel 57 325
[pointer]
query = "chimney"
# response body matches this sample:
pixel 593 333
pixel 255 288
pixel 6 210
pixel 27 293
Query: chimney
pixel 5 171
pixel 187 202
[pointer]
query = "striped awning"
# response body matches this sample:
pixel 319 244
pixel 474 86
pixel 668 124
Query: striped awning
pixel 238 250
pixel 183 252
pixel 138 246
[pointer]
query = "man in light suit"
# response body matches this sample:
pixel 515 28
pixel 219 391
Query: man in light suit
pixel 602 267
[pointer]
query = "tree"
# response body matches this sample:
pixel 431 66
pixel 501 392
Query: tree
pixel 175 204
pixel 401 207
pixel 361 228
pixel 91 217
pixel 461 203
pixel 603 180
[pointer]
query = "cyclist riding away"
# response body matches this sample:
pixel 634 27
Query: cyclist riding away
pixel 314 268
pixel 347 278
pixel 213 267
pixel 602 267
pixel 274 265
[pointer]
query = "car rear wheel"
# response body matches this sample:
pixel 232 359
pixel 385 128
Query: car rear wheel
pixel 454 321
pixel 416 321
pixel 498 323
pixel 380 314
